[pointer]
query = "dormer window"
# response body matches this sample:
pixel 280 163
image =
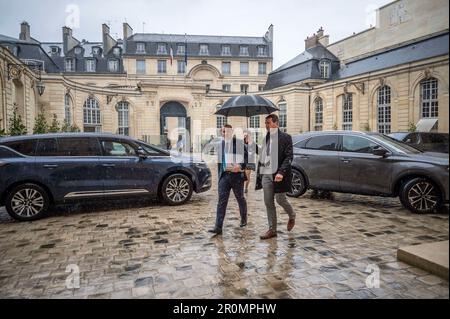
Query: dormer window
pixel 243 51
pixel 90 65
pixel 262 50
pixel 181 49
pixel 113 65
pixel 324 67
pixel 95 51
pixel 204 49
pixel 54 50
pixel 226 50
pixel 140 48
pixel 116 51
pixel 69 65
pixel 162 48
pixel 77 50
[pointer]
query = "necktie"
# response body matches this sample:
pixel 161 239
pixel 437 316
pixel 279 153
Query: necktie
pixel 268 144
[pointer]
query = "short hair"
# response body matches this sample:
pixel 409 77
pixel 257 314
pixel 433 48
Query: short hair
pixel 227 126
pixel 273 117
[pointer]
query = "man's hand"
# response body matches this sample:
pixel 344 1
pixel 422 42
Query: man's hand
pixel 236 168
pixel 279 178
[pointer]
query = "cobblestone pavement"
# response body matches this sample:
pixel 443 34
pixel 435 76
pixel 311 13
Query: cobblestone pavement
pixel 146 250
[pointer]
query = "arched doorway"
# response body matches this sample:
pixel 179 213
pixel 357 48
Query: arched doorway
pixel 175 126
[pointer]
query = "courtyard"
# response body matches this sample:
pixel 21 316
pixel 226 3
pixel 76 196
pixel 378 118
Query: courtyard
pixel 135 249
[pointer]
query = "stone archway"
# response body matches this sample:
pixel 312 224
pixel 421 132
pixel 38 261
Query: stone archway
pixel 174 123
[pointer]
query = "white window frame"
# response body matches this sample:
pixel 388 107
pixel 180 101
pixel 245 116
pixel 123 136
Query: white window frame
pixel 384 110
pixel 68 108
pixel 243 50
pixel 162 49
pixel 262 68
pixel 248 68
pixel 140 47
pixel 318 114
pixel 92 114
pixel 325 67
pixel 181 49
pixel 262 50
pixel 90 65
pixel 429 98
pixel 123 118
pixel 226 50
pixel 347 112
pixel 282 116
pixel 138 71
pixel 226 87
pixel 243 90
pixel 224 70
pixel 70 62
pixel 115 64
pixel 181 67
pixel 160 63
pixel 204 49
pixel 221 121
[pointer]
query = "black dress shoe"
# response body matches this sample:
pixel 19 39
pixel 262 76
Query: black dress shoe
pixel 243 223
pixel 215 231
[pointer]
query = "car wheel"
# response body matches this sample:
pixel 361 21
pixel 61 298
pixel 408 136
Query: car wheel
pixel 177 189
pixel 27 202
pixel 298 184
pixel 420 196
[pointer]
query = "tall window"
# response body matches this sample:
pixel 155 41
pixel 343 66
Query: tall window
pixel 91 116
pixel 123 112
pixel 283 116
pixel 243 50
pixel 162 48
pixel 244 88
pixel 181 67
pixel 162 66
pixel 90 65
pixel 140 48
pixel 226 50
pixel 318 114
pixel 140 66
pixel 262 68
pixel 384 110
pixel 69 65
pixel 324 69
pixel 226 67
pixel 226 87
pixel 255 124
pixel 68 109
pixel 347 112
pixel 261 87
pixel 204 49
pixel 244 68
pixel 113 65
pixel 429 98
pixel 221 121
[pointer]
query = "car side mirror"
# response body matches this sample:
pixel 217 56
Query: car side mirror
pixel 142 154
pixel 379 151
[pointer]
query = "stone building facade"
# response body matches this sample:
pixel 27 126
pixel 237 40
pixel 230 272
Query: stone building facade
pixel 151 86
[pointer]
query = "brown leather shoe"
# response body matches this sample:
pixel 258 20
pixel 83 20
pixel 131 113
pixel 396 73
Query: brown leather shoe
pixel 269 234
pixel 291 224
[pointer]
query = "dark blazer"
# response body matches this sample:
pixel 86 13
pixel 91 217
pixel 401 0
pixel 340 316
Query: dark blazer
pixel 238 146
pixel 285 157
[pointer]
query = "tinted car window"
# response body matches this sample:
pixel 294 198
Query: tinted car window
pixel 47 147
pixel 323 143
pixel 78 147
pixel 151 151
pixel 116 148
pixel 25 147
pixel 411 138
pixel 358 144
pixel 434 138
pixel 301 144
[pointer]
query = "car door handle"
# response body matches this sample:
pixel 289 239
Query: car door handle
pixel 302 156
pixel 50 166
pixel 346 160
pixel 109 165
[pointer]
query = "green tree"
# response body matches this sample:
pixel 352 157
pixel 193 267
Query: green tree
pixel 66 127
pixel 2 132
pixel 54 127
pixel 16 126
pixel 75 129
pixel 40 124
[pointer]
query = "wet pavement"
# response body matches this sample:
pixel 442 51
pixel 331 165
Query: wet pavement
pixel 147 250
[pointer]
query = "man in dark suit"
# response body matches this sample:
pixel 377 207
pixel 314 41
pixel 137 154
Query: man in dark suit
pixel 274 174
pixel 232 157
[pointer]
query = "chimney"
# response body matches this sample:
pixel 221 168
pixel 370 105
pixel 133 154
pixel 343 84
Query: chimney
pixel 269 34
pixel 127 32
pixel 108 41
pixel 317 38
pixel 25 34
pixel 69 42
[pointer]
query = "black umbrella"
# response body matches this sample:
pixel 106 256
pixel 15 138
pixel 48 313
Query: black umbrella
pixel 247 105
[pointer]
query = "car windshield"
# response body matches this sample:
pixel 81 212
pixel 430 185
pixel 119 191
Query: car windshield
pixel 397 145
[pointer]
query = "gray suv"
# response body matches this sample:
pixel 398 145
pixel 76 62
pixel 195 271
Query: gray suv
pixel 370 164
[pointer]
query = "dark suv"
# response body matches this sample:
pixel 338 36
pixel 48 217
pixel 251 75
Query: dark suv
pixel 38 170
pixel 370 164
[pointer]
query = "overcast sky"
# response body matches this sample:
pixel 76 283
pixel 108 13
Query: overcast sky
pixel 294 20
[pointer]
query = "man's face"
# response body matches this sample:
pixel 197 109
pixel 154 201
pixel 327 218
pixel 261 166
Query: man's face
pixel 227 133
pixel 270 126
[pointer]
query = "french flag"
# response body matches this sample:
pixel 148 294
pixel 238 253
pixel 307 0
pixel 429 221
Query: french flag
pixel 171 56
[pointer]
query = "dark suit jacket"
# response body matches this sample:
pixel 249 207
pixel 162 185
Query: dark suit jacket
pixel 238 148
pixel 285 157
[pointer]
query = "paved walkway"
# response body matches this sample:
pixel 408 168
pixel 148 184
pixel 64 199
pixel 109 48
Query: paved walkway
pixel 145 250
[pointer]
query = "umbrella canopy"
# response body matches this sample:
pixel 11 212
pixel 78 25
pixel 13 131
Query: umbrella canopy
pixel 247 105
